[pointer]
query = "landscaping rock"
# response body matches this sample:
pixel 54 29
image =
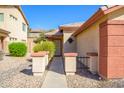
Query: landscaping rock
pixel 84 79
pixel 16 72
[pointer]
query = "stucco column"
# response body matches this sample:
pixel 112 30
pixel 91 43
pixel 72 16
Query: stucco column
pixel 38 63
pixel 111 61
pixel 70 63
pixel 47 58
pixel 93 62
pixel 0 44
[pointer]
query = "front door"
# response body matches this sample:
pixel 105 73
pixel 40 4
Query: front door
pixel 58 47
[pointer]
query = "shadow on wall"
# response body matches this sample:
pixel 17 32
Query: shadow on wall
pixel 70 45
pixel 83 71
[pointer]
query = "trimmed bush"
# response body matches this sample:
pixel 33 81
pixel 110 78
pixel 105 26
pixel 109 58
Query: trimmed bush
pixel 17 49
pixel 45 46
pixel 37 48
pixel 49 46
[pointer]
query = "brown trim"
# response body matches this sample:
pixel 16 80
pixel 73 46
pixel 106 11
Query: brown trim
pixel 114 8
pixel 4 33
pixel 68 29
pixel 92 54
pixel 99 14
pixel 54 36
pixel 112 22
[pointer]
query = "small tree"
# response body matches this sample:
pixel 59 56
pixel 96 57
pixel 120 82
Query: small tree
pixel 40 38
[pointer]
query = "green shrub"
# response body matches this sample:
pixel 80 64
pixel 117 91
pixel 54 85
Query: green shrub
pixel 49 46
pixel 45 46
pixel 37 48
pixel 17 49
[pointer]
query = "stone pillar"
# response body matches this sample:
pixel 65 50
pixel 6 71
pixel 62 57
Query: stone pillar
pixel 47 58
pixel 111 61
pixel 38 63
pixel 70 63
pixel 93 62
pixel 0 43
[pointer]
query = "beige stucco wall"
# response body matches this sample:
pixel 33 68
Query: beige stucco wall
pixel 14 27
pixel 68 47
pixel 88 40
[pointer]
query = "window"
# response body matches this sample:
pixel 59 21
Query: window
pixel 1 17
pixel 12 39
pixel 23 27
pixel 12 17
pixel 24 40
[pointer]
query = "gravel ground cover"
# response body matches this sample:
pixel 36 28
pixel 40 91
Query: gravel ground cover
pixel 84 79
pixel 16 73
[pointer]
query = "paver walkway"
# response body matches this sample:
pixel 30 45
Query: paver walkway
pixel 55 77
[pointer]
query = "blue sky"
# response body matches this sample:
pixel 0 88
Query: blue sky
pixel 50 17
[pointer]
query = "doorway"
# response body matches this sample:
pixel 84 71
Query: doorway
pixel 58 44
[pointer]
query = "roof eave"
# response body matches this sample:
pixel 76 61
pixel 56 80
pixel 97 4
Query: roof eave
pixel 99 14
pixel 19 8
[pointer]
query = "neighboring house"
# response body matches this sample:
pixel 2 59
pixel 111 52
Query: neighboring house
pixel 13 25
pixel 68 42
pixel 61 37
pixel 57 37
pixel 54 35
pixel 103 34
pixel 32 35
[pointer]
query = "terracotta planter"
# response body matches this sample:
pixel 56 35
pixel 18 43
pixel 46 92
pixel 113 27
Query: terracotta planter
pixel 70 63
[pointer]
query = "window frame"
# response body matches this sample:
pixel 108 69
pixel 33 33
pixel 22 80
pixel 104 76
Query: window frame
pixel 24 27
pixel 3 17
pixel 13 17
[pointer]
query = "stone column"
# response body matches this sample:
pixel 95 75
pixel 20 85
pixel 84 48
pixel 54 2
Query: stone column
pixel 0 44
pixel 93 62
pixel 47 58
pixel 70 63
pixel 111 60
pixel 39 63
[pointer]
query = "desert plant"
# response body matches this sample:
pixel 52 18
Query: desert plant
pixel 49 46
pixel 37 47
pixel 40 38
pixel 17 49
pixel 45 46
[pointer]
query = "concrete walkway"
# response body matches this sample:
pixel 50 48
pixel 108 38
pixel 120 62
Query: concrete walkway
pixel 55 77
